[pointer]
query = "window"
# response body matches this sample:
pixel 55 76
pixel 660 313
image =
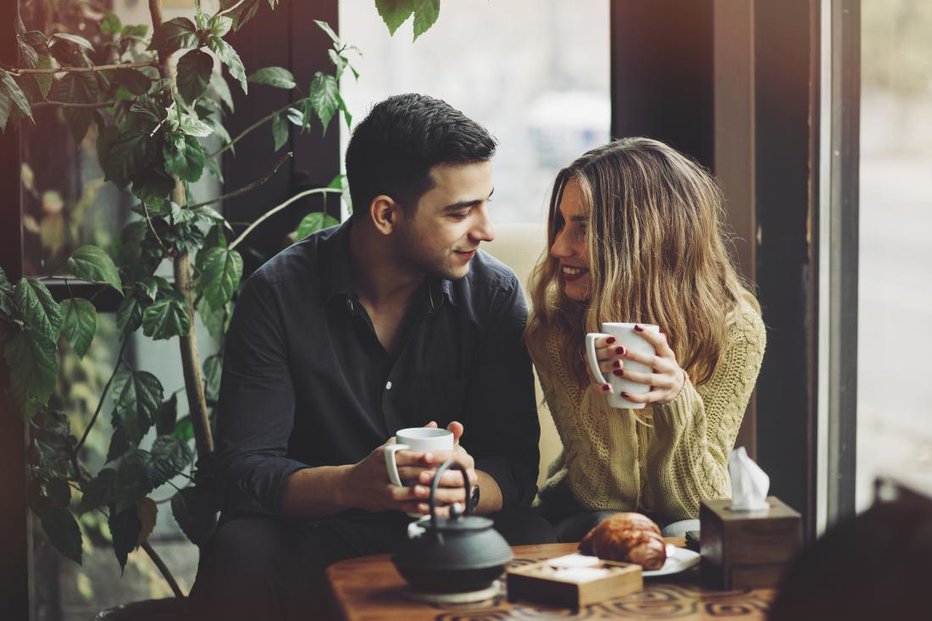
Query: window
pixel 535 73
pixel 894 429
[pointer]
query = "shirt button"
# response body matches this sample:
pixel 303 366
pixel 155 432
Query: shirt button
pixel 388 385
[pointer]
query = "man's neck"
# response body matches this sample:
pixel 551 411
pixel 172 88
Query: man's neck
pixel 381 284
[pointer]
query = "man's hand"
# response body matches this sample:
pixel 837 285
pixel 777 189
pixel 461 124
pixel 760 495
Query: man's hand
pixel 450 489
pixel 366 485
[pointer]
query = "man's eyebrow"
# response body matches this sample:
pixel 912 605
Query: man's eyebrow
pixel 466 204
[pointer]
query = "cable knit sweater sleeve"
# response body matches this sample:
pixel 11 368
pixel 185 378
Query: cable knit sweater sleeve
pixel 687 453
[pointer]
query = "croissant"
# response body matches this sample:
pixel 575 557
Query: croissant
pixel 629 538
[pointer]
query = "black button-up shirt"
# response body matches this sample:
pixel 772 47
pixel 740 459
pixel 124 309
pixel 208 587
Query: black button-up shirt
pixel 306 382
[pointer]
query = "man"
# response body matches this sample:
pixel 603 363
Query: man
pixel 394 319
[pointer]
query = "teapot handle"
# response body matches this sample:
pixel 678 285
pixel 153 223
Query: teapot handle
pixel 450 463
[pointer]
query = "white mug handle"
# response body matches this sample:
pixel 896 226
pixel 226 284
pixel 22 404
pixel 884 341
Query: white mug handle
pixel 594 369
pixel 391 466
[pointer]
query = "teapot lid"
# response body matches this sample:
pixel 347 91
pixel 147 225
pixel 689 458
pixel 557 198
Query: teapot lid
pixel 457 521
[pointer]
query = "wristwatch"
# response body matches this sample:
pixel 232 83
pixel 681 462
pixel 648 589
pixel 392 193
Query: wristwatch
pixel 474 496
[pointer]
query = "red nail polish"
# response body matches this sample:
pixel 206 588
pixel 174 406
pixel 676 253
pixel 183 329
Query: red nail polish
pixel 605 387
pixel 619 372
pixel 625 395
pixel 638 328
pixel 610 340
pixel 617 364
pixel 620 351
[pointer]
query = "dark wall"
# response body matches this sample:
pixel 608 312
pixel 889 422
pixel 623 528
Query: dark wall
pixel 286 37
pixel 785 178
pixel 662 73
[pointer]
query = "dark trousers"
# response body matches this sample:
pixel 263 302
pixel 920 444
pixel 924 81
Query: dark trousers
pixel 261 567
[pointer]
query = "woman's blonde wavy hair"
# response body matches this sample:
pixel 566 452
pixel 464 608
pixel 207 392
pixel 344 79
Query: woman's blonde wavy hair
pixel 657 254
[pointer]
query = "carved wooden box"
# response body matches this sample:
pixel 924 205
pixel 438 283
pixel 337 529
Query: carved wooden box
pixel 747 549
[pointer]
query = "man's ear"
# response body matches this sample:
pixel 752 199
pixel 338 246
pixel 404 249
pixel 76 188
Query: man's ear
pixel 384 213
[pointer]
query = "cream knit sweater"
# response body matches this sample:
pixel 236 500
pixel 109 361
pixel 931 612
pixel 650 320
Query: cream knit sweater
pixel 677 456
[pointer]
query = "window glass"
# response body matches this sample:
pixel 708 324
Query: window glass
pixel 533 72
pixel 895 255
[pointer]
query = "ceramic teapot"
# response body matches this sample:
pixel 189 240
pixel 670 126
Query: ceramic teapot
pixel 455 554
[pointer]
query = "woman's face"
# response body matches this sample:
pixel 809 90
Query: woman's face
pixel 569 244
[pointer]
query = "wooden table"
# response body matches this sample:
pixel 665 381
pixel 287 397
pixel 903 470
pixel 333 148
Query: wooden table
pixel 369 588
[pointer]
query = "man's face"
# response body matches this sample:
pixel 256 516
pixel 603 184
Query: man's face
pixel 442 235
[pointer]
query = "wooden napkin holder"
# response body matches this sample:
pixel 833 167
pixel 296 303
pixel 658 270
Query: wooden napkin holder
pixel 747 549
pixel 544 584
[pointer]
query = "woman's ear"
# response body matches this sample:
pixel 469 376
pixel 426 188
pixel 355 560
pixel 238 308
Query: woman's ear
pixel 384 213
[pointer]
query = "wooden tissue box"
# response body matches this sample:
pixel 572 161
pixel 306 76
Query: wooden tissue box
pixel 747 549
pixel 573 581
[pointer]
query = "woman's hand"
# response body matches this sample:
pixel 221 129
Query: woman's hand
pixel 667 379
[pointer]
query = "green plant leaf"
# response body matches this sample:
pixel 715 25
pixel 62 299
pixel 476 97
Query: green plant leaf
pixel 75 39
pixel 125 527
pixel 16 94
pixel 184 428
pixel 279 131
pixel 63 532
pixel 324 97
pixel 29 54
pixel 137 396
pixel 213 368
pixel 135 31
pixel 132 481
pixel 221 271
pixel 274 76
pixel 129 315
pixel 394 12
pixel 97 492
pixel 219 25
pixel 167 416
pixel 44 80
pixel 111 24
pixel 166 318
pixel 216 320
pixel 195 514
pixel 33 365
pixel 93 264
pixel 194 71
pixel 79 324
pixel 313 222
pixel 184 157
pixel 4 108
pixel 219 85
pixel 81 88
pixel 168 457
pixel 136 82
pixel 58 492
pixel 230 58
pixel 326 28
pixel 426 13
pixel 148 513
pixel 175 34
pixel 119 445
pixel 39 309
pixel 190 125
pixel 240 11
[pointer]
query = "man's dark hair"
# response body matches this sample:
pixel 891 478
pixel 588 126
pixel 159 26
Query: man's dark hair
pixel 393 149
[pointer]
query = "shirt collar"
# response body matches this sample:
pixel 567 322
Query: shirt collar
pixel 336 280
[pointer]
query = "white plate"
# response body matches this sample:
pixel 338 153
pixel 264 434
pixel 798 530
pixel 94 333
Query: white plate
pixel 678 559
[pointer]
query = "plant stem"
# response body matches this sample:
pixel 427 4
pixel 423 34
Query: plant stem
pixel 163 568
pixel 277 208
pixel 256 125
pixel 245 188
pixel 24 70
pixel 103 396
pixel 66 104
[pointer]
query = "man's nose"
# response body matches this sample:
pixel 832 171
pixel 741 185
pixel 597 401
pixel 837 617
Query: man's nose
pixel 559 249
pixel 484 231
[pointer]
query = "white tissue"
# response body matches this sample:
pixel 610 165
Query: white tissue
pixel 749 484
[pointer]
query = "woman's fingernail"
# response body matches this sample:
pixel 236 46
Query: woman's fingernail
pixel 620 351
pixel 610 340
pixel 606 387
pixel 625 395
pixel 638 328
pixel 619 372
pixel 617 364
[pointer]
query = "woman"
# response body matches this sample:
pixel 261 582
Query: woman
pixel 635 236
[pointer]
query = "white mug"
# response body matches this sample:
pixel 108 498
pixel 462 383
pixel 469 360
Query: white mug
pixel 418 440
pixel 627 337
